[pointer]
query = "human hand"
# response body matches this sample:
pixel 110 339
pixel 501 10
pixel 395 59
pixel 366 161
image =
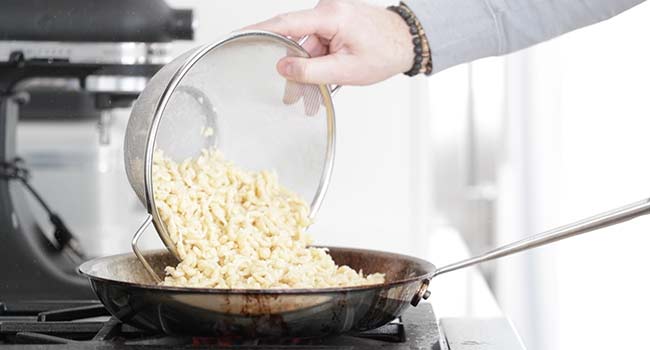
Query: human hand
pixel 350 42
pixel 309 94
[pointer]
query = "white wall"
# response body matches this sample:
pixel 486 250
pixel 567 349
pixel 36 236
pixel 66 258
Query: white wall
pixel 577 120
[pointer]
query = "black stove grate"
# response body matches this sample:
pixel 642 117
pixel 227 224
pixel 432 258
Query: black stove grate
pixel 87 325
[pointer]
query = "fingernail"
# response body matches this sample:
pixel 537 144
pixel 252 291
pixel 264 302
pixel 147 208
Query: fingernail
pixel 287 69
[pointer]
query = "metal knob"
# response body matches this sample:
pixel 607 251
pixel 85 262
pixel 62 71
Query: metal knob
pixel 422 293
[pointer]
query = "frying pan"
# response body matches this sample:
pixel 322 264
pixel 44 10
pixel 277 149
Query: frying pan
pixel 129 292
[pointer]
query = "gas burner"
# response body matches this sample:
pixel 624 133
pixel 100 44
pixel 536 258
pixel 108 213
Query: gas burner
pixel 87 325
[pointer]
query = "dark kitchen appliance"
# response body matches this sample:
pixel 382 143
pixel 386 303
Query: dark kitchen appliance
pixel 63 60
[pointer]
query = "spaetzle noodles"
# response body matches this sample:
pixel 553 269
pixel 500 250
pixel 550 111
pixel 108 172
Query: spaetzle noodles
pixel 240 229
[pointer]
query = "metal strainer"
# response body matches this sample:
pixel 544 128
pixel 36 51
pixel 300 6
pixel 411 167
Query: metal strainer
pixel 229 95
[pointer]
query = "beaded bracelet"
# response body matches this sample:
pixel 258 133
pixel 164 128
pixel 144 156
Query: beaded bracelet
pixel 422 62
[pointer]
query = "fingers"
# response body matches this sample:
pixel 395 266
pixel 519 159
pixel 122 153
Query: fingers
pixel 329 69
pixel 298 24
pixel 312 99
pixel 292 92
pixel 310 95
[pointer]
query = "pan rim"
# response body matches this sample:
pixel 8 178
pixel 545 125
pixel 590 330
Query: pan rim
pixel 84 268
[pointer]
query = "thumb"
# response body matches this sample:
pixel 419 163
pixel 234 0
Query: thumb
pixel 329 69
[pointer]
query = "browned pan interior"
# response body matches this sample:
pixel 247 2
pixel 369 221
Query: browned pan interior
pixel 126 268
pixel 128 292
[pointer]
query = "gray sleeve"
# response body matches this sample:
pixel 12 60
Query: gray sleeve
pixel 461 31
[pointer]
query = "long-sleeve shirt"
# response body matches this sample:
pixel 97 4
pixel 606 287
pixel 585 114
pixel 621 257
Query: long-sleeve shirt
pixel 461 31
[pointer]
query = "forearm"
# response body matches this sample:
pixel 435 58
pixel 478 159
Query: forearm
pixel 461 31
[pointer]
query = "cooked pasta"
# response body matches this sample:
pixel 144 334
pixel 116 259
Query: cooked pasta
pixel 240 229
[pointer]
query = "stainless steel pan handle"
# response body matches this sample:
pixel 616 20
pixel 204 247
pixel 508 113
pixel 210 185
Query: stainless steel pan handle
pixel 593 223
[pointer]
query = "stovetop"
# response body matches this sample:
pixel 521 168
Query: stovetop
pixel 87 325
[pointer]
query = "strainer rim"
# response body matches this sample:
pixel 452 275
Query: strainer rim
pixel 171 86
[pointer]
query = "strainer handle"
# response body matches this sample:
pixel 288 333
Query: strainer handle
pixel 138 253
pixel 333 88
